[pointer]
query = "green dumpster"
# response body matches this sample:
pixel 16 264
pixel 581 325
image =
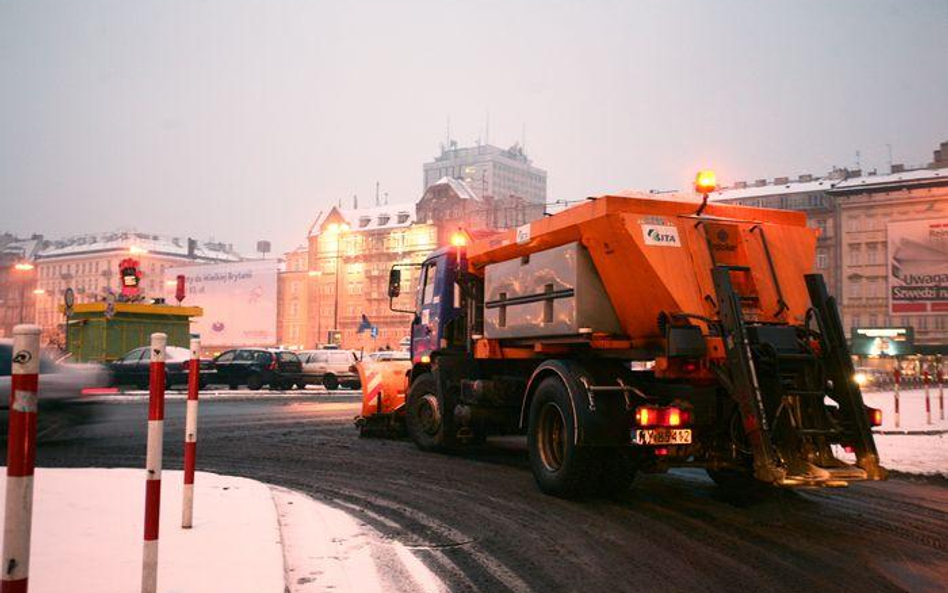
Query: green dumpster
pixel 94 336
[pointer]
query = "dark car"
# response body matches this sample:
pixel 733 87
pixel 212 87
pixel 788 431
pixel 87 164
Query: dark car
pixel 134 368
pixel 256 367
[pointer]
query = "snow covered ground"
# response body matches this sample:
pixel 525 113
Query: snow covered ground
pixel 247 537
pixel 914 446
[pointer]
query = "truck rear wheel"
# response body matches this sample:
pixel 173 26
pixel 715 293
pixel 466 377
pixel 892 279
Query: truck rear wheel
pixel 427 422
pixel 559 466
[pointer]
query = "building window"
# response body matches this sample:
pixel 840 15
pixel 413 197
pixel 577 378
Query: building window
pixel 855 289
pixel 822 261
pixel 855 254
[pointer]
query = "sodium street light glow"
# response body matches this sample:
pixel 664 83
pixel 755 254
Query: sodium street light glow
pixel 39 291
pixel 135 250
pixel 23 267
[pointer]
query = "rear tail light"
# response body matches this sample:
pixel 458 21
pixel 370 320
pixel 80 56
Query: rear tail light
pixel 849 449
pixel 875 416
pixel 689 366
pixel 656 416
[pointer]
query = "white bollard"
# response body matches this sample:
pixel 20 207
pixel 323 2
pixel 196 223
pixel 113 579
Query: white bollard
pixel 156 421
pixel 21 455
pixel 190 433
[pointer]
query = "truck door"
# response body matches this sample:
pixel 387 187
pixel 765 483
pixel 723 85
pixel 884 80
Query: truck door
pixel 425 328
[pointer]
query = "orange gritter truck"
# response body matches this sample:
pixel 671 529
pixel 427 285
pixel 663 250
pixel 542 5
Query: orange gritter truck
pixel 634 333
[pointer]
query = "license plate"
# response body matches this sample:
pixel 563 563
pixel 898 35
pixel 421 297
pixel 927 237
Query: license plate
pixel 663 436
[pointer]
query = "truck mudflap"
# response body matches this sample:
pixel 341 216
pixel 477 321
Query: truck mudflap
pixel 384 387
pixel 782 385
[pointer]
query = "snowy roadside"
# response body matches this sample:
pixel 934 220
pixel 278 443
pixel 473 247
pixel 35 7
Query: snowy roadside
pixel 914 447
pixel 103 396
pixel 248 537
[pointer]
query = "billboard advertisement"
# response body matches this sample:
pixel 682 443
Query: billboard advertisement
pixel 918 267
pixel 883 341
pixel 239 301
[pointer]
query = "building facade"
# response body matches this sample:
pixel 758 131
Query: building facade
pixel 489 171
pixel 88 264
pixel 349 255
pixel 293 303
pixel 18 292
pixel 856 215
pixel 451 205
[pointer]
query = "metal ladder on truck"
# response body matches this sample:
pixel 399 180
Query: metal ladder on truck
pixel 780 377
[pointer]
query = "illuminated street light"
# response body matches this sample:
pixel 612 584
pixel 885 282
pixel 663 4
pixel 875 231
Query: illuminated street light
pixel 23 267
pixel 314 273
pixel 39 291
pixel 135 250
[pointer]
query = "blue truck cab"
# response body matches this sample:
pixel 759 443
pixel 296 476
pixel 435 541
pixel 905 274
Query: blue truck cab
pixel 438 305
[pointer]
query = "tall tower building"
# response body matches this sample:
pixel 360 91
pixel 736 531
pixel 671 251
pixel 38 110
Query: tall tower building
pixel 489 171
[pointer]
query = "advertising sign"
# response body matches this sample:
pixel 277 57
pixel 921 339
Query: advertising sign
pixel 239 301
pixel 883 341
pixel 918 267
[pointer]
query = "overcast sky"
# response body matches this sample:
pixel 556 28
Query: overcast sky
pixel 239 119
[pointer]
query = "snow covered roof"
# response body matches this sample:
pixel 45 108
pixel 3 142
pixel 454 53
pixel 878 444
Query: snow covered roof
pixel 828 184
pixel 913 176
pixel 793 187
pixel 390 216
pixel 126 240
pixel 23 248
pixel 462 189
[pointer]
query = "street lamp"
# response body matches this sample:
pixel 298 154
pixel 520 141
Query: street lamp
pixel 23 268
pixel 340 230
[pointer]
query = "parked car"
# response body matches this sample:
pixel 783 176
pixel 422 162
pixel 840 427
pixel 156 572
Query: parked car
pixel 134 368
pixel 61 388
pixel 331 368
pixel 256 367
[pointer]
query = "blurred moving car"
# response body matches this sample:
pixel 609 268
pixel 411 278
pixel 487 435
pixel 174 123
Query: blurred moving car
pixel 256 367
pixel 134 368
pixel 331 368
pixel 390 355
pixel 60 390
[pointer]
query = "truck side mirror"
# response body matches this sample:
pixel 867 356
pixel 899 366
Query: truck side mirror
pixel 394 283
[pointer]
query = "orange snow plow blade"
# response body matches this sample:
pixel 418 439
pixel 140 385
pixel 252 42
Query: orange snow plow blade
pixel 384 385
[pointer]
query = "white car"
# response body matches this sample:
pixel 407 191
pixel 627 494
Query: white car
pixel 330 368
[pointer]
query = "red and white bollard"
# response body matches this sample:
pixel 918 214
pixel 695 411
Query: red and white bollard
pixel 928 401
pixel 21 457
pixel 156 421
pixel 190 433
pixel 897 378
pixel 941 393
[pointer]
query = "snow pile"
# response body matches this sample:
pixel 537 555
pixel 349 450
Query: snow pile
pixel 248 537
pixel 87 534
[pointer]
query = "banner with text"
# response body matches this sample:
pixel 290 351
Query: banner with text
pixel 239 301
pixel 918 267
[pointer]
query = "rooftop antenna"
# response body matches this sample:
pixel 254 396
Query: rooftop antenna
pixel 376 193
pixel 888 147
pixel 523 139
pixel 386 198
pixel 858 160
pixel 355 202
pixel 447 133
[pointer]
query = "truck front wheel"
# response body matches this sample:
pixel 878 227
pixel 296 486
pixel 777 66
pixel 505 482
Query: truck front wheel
pixel 559 466
pixel 426 419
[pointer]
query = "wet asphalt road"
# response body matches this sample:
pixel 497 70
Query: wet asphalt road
pixel 478 521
